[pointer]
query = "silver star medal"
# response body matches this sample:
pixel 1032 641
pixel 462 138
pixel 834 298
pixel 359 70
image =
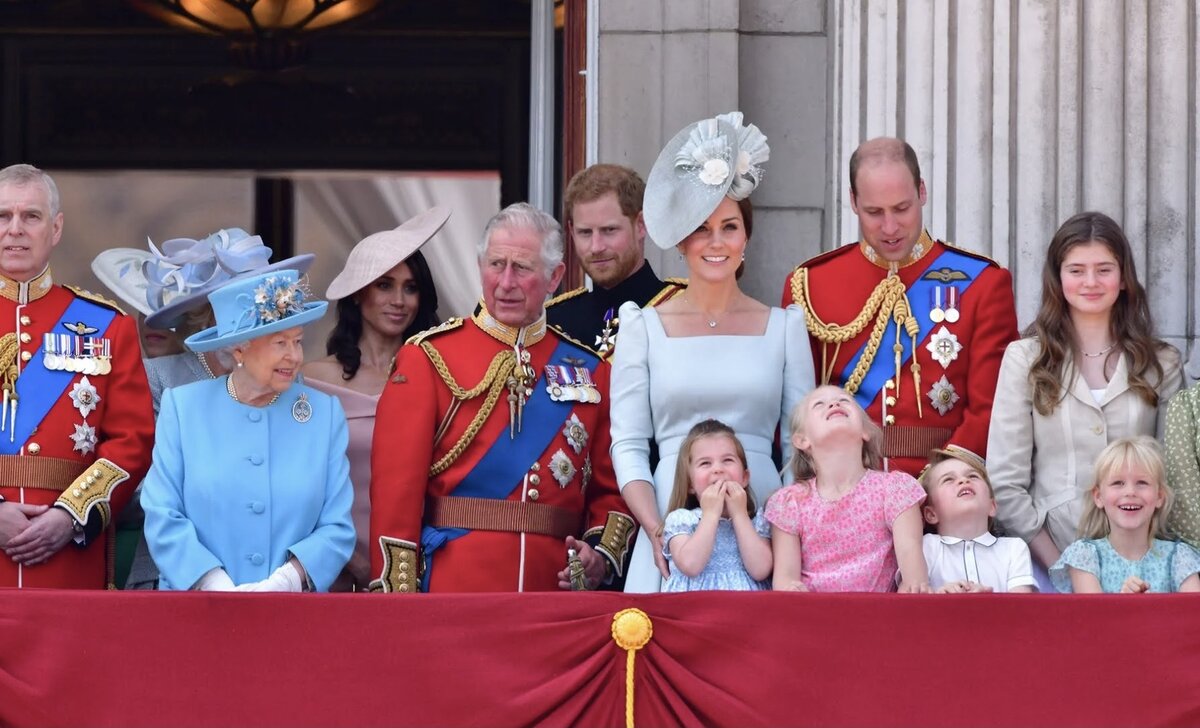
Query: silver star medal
pixel 562 468
pixel 943 396
pixel 84 396
pixel 944 347
pixel 576 433
pixel 85 438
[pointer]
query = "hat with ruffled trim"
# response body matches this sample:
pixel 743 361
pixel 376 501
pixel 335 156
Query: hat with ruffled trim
pixel 379 252
pixel 254 306
pixel 705 162
pixel 184 271
pixel 120 269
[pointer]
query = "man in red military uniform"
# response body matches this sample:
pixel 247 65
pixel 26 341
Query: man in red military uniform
pixel 76 427
pixel 872 304
pixel 490 458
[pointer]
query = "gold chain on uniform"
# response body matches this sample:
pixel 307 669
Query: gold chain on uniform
pixel 887 301
pixel 8 362
pixel 493 382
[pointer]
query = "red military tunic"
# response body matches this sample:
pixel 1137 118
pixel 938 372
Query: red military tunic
pixel 572 475
pixel 959 359
pixel 88 464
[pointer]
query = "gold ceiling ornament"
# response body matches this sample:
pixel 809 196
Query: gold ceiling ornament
pixel 265 34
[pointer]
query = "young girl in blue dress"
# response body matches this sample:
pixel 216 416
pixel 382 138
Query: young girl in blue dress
pixel 713 536
pixel 1122 546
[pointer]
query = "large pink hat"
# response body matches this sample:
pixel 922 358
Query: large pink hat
pixel 378 253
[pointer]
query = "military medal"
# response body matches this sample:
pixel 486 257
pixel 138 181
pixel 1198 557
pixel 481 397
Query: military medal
pixel 302 409
pixel 944 347
pixel 943 396
pixel 936 313
pixel 84 437
pixel 575 433
pixel 607 338
pixel 952 314
pixel 84 396
pixel 562 468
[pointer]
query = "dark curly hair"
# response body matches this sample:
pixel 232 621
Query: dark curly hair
pixel 343 340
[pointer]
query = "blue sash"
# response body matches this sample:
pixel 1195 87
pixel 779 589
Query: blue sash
pixel 508 459
pixel 919 295
pixel 38 388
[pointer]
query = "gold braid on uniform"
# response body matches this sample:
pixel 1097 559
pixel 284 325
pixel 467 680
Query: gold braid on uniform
pixel 493 382
pixel 887 302
pixel 8 361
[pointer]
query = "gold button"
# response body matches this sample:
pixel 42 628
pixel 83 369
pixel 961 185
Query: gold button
pixel 403 587
pixel 535 480
pixel 33 448
pixel 403 566
pixel 97 472
pixel 25 337
pixel 889 384
pixel 889 420
pixel 891 401
pixel 535 467
pixel 76 493
pixel 533 494
pixel 25 320
pixel 26 355
pixel 91 480
pixel 85 485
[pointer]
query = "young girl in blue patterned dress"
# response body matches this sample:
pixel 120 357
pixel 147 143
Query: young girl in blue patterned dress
pixel 713 536
pixel 1122 546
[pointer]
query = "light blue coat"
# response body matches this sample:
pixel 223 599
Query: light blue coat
pixel 242 487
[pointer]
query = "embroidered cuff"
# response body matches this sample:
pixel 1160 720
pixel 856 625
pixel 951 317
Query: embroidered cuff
pixel 399 567
pixel 92 490
pixel 615 541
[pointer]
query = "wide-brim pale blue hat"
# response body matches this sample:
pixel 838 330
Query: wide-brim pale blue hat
pixel 184 271
pixel 120 270
pixel 254 306
pixel 704 163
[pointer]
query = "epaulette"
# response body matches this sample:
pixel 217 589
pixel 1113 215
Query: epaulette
pixel 568 295
pixel 96 298
pixel 449 324
pixel 564 335
pixel 672 287
pixel 969 253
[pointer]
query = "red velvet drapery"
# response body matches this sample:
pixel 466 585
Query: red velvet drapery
pixel 131 659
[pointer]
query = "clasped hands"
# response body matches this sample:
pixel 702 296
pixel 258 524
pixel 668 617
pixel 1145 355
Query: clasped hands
pixel 31 534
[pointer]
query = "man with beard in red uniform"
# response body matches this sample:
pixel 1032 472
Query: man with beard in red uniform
pixel 914 328
pixel 76 426
pixel 490 460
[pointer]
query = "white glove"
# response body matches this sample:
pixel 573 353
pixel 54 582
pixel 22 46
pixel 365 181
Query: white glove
pixel 284 579
pixel 215 579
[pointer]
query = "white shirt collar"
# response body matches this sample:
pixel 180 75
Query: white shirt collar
pixel 985 539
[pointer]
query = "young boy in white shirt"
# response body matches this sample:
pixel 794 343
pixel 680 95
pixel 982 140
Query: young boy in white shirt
pixel 963 556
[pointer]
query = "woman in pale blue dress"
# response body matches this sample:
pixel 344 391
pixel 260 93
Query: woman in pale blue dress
pixel 710 352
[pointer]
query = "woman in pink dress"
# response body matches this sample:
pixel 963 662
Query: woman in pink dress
pixel 384 295
pixel 844 525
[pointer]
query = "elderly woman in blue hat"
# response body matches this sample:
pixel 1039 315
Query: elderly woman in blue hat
pixel 256 495
pixel 714 351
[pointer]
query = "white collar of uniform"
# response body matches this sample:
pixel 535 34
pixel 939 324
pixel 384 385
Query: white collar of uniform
pixel 986 539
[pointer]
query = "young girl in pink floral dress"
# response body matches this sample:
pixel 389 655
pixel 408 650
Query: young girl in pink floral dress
pixel 844 526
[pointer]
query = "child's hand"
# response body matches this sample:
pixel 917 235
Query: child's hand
pixel 735 498
pixel 1134 585
pixel 914 587
pixel 712 500
pixel 963 587
pixel 796 586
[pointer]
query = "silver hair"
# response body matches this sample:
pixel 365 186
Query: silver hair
pixel 225 357
pixel 23 174
pixel 524 216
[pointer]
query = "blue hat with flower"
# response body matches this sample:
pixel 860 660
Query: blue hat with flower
pixel 255 306
pixel 705 162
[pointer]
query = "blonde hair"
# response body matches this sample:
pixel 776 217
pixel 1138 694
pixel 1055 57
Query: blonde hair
pixel 681 492
pixel 1141 451
pixel 802 465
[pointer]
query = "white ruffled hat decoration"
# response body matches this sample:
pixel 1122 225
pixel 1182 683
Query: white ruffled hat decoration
pixel 705 162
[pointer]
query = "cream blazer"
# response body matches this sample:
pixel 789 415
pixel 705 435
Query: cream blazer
pixel 1041 467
